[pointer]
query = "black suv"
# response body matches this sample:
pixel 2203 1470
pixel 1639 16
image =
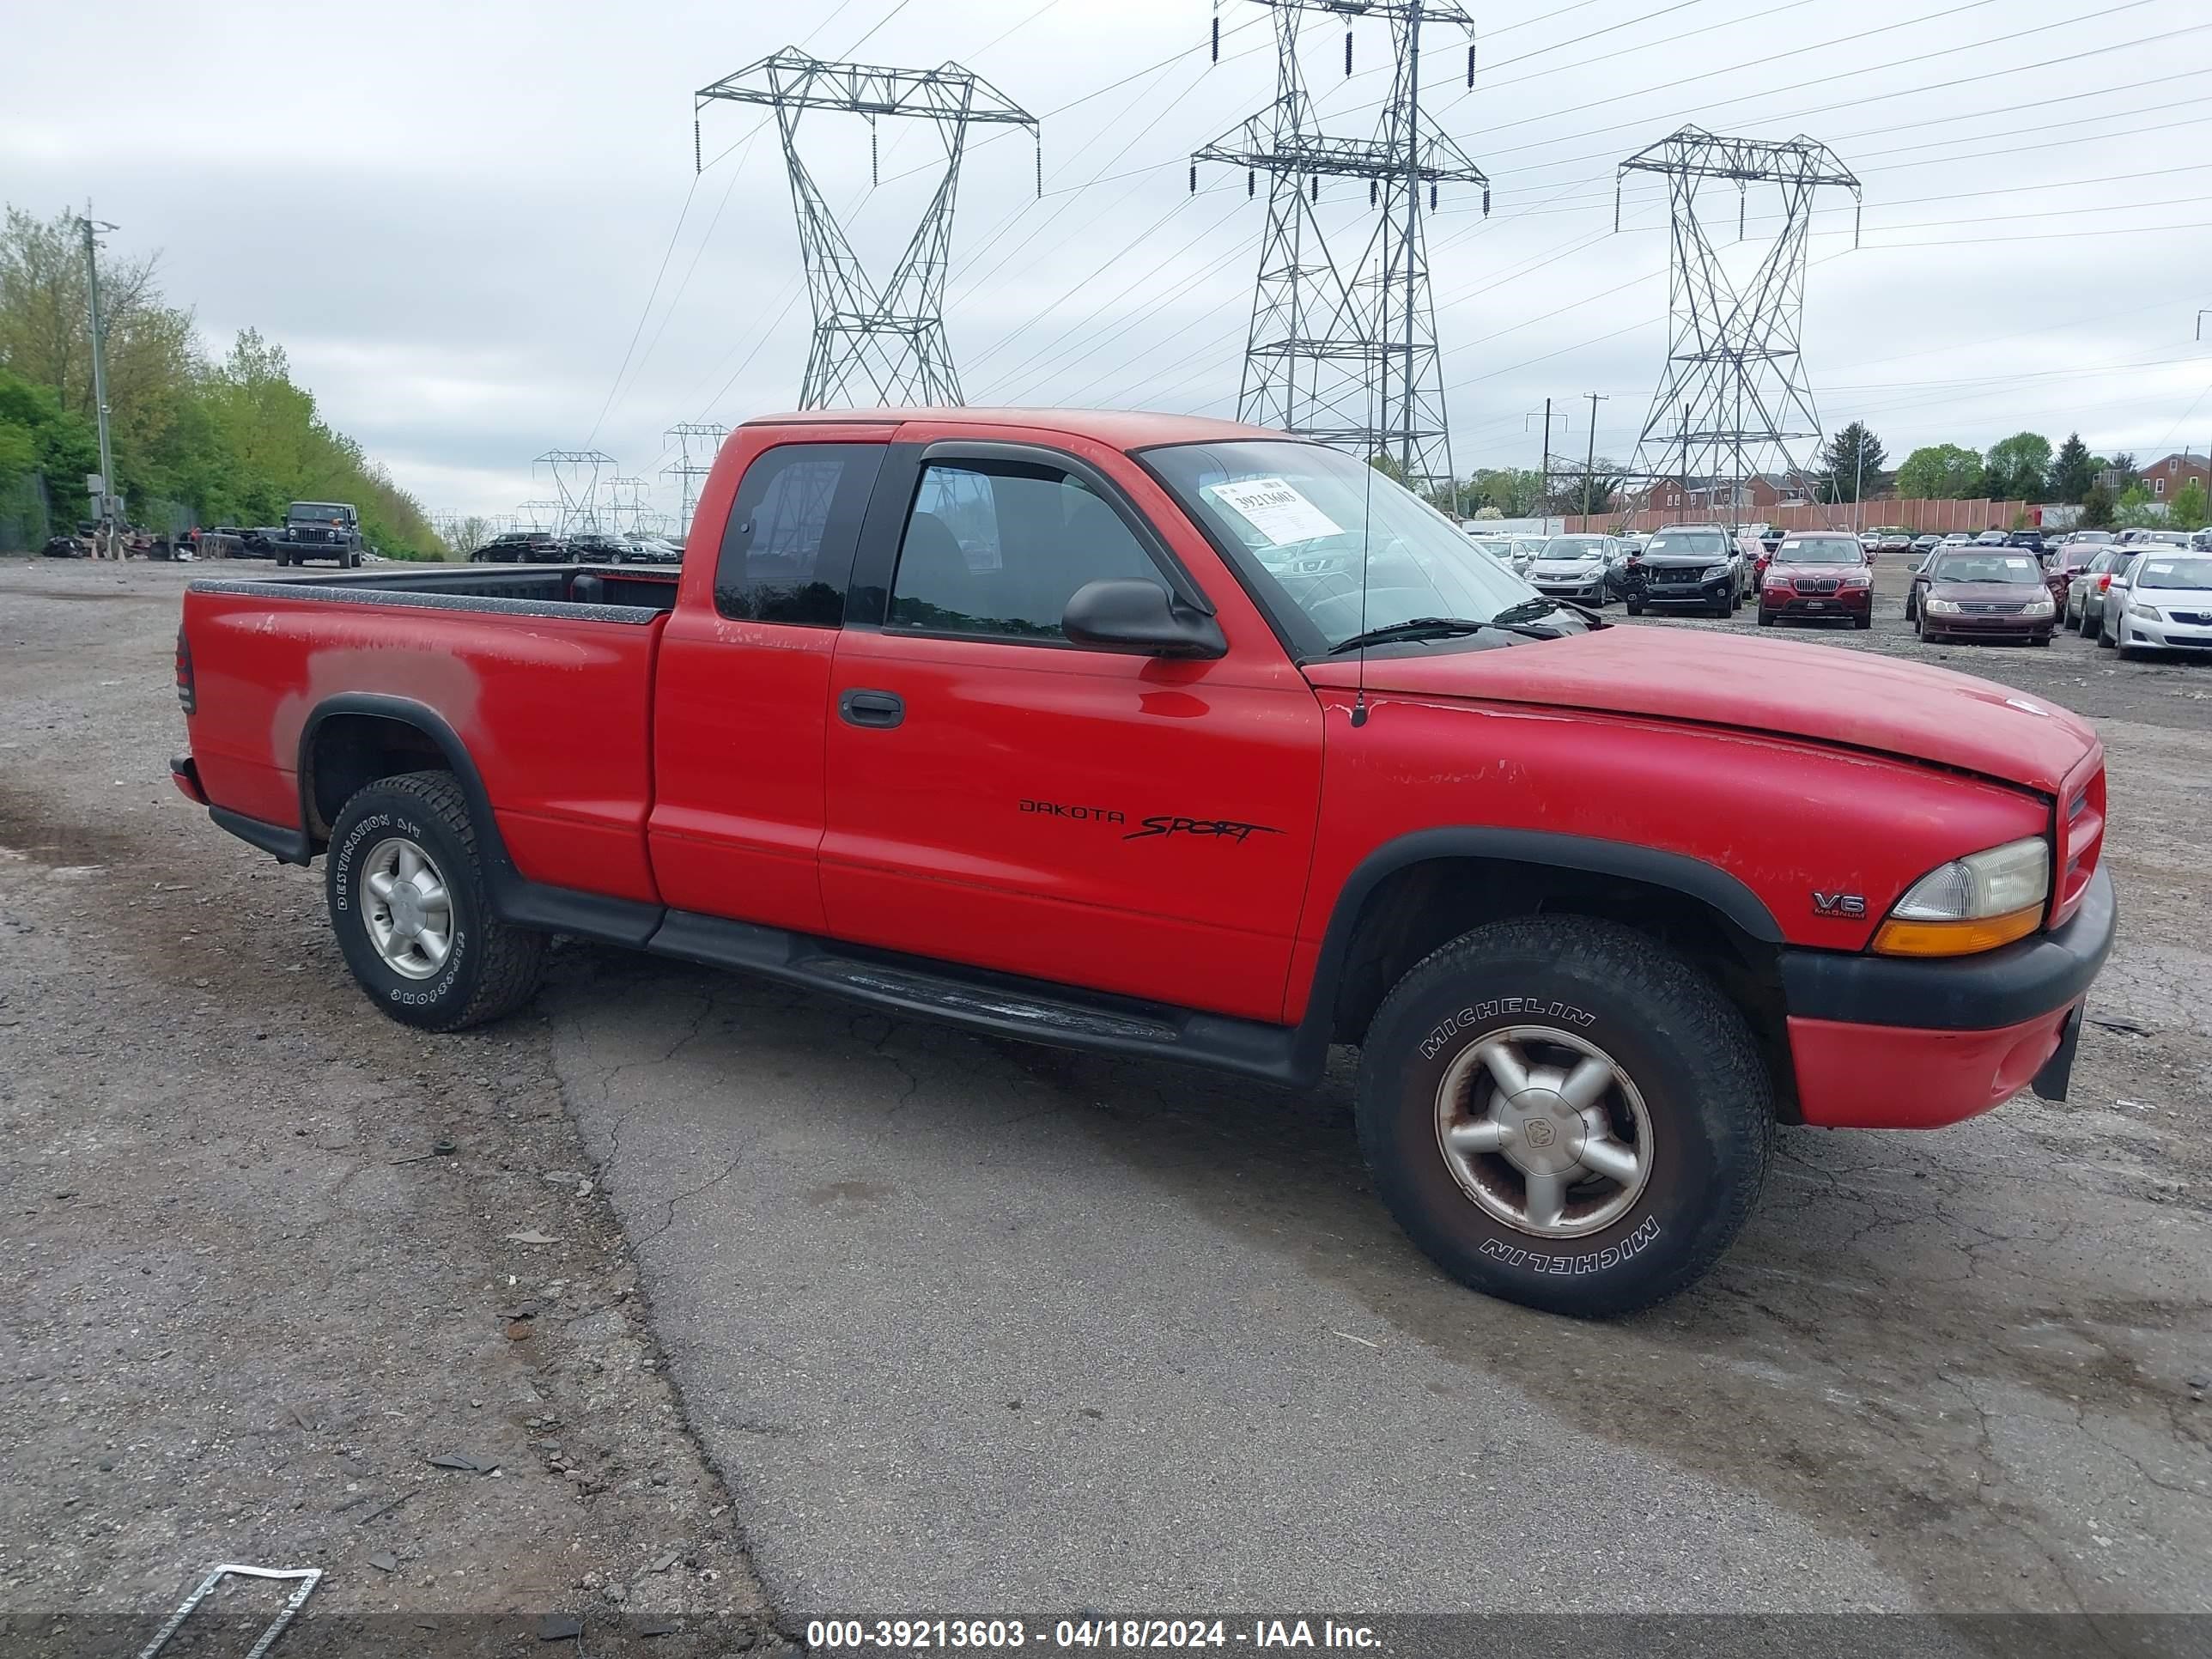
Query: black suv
pixel 1684 564
pixel 318 529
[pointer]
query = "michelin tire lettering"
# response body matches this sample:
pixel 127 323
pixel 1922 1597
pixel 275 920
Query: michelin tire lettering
pixel 1587 1261
pixel 1482 1013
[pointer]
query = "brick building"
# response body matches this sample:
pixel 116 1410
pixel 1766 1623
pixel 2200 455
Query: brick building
pixel 2167 478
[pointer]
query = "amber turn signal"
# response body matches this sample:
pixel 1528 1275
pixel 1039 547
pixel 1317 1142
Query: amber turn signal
pixel 1955 939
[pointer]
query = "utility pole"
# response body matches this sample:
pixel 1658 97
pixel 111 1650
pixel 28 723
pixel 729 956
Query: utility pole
pixel 104 541
pixel 1858 480
pixel 1544 498
pixel 1589 461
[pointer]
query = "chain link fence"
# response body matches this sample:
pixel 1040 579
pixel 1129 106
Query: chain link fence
pixel 26 513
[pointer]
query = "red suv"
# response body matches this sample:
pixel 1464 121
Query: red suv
pixel 1816 576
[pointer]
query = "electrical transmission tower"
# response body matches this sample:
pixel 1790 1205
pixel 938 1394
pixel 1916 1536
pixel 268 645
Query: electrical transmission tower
pixel 535 515
pixel 625 503
pixel 707 436
pixel 575 474
pixel 1345 351
pixel 887 344
pixel 1734 398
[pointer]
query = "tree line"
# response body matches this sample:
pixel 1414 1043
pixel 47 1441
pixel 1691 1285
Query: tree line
pixel 1855 466
pixel 197 440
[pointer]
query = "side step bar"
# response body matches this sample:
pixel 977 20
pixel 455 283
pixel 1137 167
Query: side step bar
pixel 1001 1004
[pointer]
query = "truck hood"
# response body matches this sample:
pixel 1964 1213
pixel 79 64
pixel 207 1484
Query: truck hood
pixel 1821 694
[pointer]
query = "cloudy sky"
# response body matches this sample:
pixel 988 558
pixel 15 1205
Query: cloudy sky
pixel 477 227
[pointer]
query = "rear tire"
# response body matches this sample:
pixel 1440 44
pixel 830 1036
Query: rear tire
pixel 1868 621
pixel 1765 617
pixel 387 916
pixel 1597 1198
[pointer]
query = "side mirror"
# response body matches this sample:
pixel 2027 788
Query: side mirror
pixel 1142 617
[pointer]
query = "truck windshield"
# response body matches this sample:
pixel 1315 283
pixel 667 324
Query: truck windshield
pixel 1339 546
pixel 316 511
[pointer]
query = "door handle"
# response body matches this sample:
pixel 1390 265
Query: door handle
pixel 880 710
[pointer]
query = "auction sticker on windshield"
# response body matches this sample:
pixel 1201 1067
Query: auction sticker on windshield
pixel 1275 508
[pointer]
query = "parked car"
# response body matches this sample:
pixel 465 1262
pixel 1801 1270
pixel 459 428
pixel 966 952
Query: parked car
pixel 650 549
pixel 2085 593
pixel 2029 540
pixel 2159 600
pixel 1692 564
pixel 597 547
pixel 2201 541
pixel 1817 576
pixel 521 547
pixel 1526 550
pixel 1984 593
pixel 1923 545
pixel 67 547
pixel 1893 540
pixel 1576 568
pixel 1234 750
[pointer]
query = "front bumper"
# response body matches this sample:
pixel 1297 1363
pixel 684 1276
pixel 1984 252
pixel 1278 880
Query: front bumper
pixel 1888 1043
pixel 1590 591
pixel 1968 626
pixel 2169 635
pixel 1720 590
pixel 1844 602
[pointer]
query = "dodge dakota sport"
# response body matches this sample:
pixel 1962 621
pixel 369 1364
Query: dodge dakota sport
pixel 1183 739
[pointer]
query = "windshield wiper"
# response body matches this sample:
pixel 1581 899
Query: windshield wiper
pixel 1434 628
pixel 1543 605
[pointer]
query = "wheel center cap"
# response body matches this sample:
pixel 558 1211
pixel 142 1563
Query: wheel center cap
pixel 406 912
pixel 1544 1133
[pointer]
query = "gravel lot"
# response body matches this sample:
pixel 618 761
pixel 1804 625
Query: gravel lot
pixel 930 1322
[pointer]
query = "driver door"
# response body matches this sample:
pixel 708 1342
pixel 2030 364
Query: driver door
pixel 1000 796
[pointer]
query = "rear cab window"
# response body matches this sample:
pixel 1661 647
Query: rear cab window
pixel 786 552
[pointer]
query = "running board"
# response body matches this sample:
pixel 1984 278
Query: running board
pixel 1003 1005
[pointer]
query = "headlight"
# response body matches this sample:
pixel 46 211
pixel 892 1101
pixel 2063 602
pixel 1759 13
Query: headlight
pixel 1942 608
pixel 2143 612
pixel 2040 607
pixel 1858 579
pixel 1715 572
pixel 1973 903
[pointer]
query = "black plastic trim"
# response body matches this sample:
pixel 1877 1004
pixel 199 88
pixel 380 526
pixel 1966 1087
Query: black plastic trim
pixel 1059 1016
pixel 2005 986
pixel 289 844
pixel 2051 1083
pixel 1692 877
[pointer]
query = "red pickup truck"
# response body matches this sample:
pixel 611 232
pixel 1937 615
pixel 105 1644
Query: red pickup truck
pixel 1178 739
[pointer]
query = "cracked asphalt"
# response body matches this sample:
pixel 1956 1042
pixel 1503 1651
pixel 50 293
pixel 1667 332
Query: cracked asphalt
pixel 969 1326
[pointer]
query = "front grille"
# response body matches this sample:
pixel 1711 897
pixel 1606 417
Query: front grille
pixel 1680 578
pixel 1818 584
pixel 1994 607
pixel 2192 618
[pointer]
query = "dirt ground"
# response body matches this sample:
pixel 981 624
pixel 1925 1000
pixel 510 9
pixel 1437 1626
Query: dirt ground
pixel 283 1284
pixel 279 1284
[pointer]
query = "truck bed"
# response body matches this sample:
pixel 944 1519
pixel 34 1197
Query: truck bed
pixel 543 675
pixel 605 593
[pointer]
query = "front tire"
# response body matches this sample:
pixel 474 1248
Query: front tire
pixel 1564 1113
pixel 408 901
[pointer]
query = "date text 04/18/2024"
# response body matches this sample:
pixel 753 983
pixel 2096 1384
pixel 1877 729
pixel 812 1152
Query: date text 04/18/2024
pixel 927 1635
